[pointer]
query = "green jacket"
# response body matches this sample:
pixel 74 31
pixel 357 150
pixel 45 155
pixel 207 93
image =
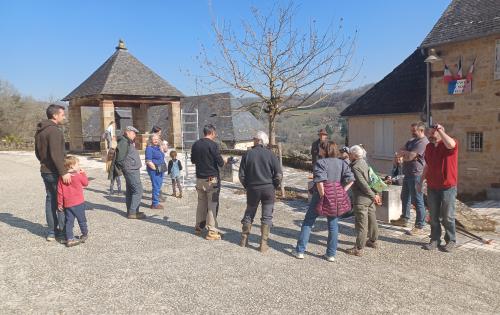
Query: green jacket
pixel 362 193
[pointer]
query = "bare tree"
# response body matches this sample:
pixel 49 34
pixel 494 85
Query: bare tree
pixel 284 67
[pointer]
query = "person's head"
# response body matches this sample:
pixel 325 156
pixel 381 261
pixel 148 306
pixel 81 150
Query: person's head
pixel 417 130
pixel 328 149
pixel 111 123
pixel 357 152
pixel 398 160
pixel 71 163
pixel 55 113
pixel 433 135
pixel 323 135
pixel 156 129
pixel 131 132
pixel 260 137
pixel 344 153
pixel 173 154
pixel 154 139
pixel 210 132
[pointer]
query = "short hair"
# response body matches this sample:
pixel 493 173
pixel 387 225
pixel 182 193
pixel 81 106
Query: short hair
pixel 173 154
pixel 70 161
pixel 357 151
pixel 156 129
pixel 420 125
pixel 262 137
pixel 151 136
pixel 208 129
pixel 329 148
pixel 52 110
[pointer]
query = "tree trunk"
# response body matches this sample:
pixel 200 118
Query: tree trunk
pixel 272 129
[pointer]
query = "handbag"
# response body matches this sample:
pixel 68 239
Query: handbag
pixel 335 202
pixel 161 168
pixel 375 182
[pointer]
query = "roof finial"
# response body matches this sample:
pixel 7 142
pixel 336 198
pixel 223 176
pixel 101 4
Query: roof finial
pixel 121 45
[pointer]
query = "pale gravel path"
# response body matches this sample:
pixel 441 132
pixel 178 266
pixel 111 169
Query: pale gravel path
pixel 159 266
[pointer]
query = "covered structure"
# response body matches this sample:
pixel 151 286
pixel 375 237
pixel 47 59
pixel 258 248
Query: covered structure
pixel 123 81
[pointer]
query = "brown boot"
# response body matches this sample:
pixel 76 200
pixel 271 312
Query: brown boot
pixel 354 251
pixel 264 231
pixel 245 231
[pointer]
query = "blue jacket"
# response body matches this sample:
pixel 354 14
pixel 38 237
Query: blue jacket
pixel 155 155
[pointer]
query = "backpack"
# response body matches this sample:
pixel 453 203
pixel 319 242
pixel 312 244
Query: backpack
pixel 375 182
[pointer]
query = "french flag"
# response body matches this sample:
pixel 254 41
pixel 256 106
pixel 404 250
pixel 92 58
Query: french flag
pixel 459 74
pixel 447 77
pixel 471 70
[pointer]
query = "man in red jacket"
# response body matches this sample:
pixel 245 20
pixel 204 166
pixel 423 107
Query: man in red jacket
pixel 441 173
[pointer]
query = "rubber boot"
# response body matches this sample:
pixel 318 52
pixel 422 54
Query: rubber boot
pixel 264 231
pixel 245 232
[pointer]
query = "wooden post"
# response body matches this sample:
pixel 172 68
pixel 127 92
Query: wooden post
pixel 280 155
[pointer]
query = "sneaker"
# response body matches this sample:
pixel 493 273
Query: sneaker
pixel 83 238
pixel 157 207
pixel 297 255
pixel 400 222
pixel 213 236
pixel 416 231
pixel 138 216
pixel 174 195
pixel 431 246
pixel 449 247
pixel 330 258
pixel 73 242
pixel 372 244
pixel 180 196
pixel 61 240
pixel 51 237
pixel 354 251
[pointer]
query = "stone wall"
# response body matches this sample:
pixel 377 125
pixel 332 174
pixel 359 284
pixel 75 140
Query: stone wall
pixel 478 111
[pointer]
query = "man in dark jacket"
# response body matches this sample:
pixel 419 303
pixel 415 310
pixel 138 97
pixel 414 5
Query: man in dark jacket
pixel 323 136
pixel 205 155
pixel 127 160
pixel 49 150
pixel 260 173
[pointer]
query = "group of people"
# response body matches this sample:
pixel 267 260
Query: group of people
pixel 342 181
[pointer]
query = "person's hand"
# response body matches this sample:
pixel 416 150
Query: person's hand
pixel 60 209
pixel 437 127
pixel 66 178
pixel 82 171
pixel 377 200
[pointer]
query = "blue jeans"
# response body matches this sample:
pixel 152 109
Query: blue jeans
pixel 77 212
pixel 305 232
pixel 409 195
pixel 156 182
pixel 50 181
pixel 442 205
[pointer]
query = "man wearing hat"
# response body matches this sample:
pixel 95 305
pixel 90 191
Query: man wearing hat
pixel 323 136
pixel 127 159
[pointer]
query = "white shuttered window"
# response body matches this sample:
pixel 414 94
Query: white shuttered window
pixel 384 137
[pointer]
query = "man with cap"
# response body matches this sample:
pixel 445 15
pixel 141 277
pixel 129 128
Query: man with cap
pixel 323 136
pixel 127 159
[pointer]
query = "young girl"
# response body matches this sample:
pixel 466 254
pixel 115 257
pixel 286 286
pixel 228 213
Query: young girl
pixel 174 170
pixel 70 200
pixel 113 175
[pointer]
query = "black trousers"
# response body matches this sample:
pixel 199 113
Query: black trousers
pixel 266 196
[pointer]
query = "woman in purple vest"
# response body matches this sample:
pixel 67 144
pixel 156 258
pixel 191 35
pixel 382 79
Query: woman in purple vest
pixel 331 169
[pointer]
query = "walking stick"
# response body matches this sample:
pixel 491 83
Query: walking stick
pixel 461 228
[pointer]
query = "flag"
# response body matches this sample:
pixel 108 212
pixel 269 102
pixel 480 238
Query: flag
pixel 447 77
pixel 471 70
pixel 457 86
pixel 459 74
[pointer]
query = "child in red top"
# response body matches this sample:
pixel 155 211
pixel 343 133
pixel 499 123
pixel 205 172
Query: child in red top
pixel 70 200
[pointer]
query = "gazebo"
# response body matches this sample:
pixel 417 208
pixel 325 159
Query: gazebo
pixel 123 81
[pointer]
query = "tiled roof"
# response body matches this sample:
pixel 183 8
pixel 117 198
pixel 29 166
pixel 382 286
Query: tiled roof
pixel 123 74
pixel 465 19
pixel 401 91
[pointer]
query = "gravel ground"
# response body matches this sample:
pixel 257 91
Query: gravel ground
pixel 159 266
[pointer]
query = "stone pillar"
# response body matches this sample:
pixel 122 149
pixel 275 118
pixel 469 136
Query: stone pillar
pixel 75 127
pixel 107 110
pixel 140 121
pixel 174 125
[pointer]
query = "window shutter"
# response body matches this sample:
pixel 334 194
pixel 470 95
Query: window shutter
pixel 379 137
pixel 497 60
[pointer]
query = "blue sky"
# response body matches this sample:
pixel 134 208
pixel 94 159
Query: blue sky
pixel 49 47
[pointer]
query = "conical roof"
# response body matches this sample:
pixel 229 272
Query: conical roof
pixel 123 74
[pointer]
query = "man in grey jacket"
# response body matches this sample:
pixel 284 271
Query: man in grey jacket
pixel 127 160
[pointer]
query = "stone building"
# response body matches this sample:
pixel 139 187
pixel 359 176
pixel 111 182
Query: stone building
pixel 467 33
